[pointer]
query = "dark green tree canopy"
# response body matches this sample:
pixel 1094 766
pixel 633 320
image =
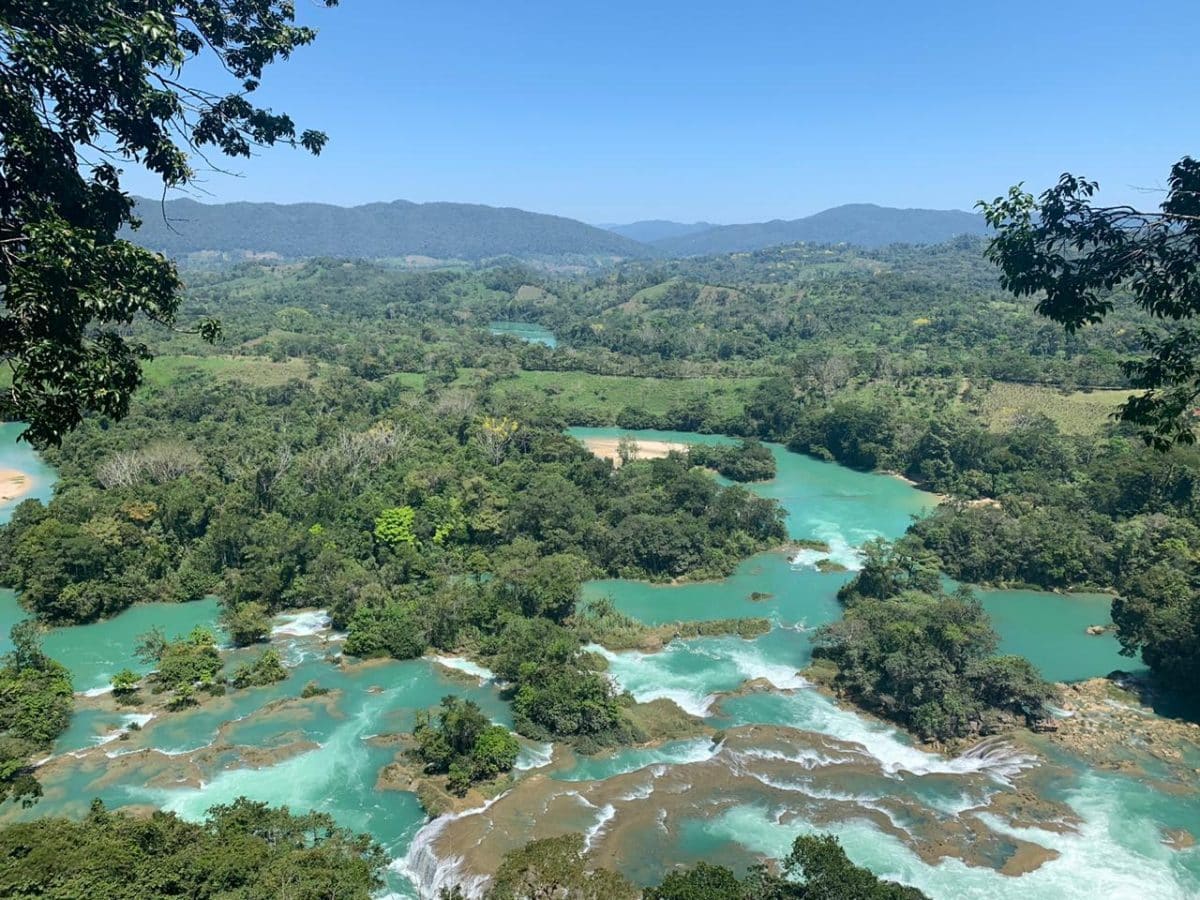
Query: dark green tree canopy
pixel 87 86
pixel 1079 258
pixel 243 849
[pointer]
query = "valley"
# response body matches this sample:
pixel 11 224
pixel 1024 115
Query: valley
pixel 751 462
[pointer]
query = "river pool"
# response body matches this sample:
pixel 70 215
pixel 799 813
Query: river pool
pixel 797 761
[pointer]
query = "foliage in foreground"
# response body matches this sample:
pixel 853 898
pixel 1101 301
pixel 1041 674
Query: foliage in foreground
pixel 89 87
pixel 816 868
pixel 35 708
pixel 1074 255
pixel 244 849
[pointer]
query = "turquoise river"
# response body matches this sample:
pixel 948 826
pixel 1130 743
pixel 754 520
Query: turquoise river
pixel 525 331
pixel 788 760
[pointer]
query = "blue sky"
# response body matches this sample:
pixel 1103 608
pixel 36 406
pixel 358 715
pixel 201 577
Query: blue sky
pixel 729 112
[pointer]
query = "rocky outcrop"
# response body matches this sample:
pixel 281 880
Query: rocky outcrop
pixel 1108 722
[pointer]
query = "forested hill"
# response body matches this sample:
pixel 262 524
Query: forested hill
pixel 442 231
pixel 439 232
pixel 863 224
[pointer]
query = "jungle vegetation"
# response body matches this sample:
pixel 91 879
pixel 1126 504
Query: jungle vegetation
pixel 243 849
pixel 458 741
pixel 924 658
pixel 360 441
pixel 816 868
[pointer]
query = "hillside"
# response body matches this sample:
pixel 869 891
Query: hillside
pixel 649 230
pixel 428 232
pixel 863 224
pixel 374 231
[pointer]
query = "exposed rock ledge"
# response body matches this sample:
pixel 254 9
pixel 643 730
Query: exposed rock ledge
pixel 1105 721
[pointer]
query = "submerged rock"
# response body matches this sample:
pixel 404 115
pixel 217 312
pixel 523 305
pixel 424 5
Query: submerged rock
pixel 808 780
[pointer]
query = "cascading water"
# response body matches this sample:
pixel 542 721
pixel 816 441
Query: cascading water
pixel 791 760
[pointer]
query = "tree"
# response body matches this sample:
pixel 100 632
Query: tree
pixel 35 708
pixel 549 586
pixel 1158 613
pixel 246 623
pixel 85 88
pixel 889 569
pixel 243 849
pixel 183 663
pixel 1079 258
pixel 829 874
pixel 125 684
pixel 927 661
pixel 394 629
pixel 461 743
pixel 267 669
pixel 150 645
pixel 27 653
pixel 816 869
pixel 495 752
pixel 702 882
pixel 556 867
pixel 495 434
pixel 627 448
pixel 395 526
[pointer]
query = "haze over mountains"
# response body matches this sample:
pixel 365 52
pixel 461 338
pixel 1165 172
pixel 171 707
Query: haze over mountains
pixel 650 230
pixel 470 232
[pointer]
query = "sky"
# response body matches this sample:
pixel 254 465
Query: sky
pixel 723 112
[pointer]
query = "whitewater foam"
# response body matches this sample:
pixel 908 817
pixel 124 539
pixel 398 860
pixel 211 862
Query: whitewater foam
pixel 651 676
pixel 303 624
pixel 810 711
pixel 641 792
pixel 750 663
pixel 1116 853
pixel 806 759
pixel 841 550
pixel 466 666
pixel 593 834
pixel 534 756
pixel 128 721
pixel 428 872
pixel 622 762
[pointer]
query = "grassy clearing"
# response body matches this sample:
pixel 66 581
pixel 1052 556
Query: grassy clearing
pixel 253 370
pixel 607 395
pixel 412 380
pixel 645 296
pixel 1077 412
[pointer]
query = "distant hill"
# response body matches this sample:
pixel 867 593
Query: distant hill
pixel 374 231
pixel 863 224
pixel 650 230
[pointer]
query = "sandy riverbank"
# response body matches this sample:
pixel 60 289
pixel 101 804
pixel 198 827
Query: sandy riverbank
pixel 14 484
pixel 607 448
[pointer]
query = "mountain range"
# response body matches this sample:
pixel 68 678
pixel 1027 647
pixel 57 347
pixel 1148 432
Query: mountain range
pixel 374 231
pixel 862 224
pixel 461 231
